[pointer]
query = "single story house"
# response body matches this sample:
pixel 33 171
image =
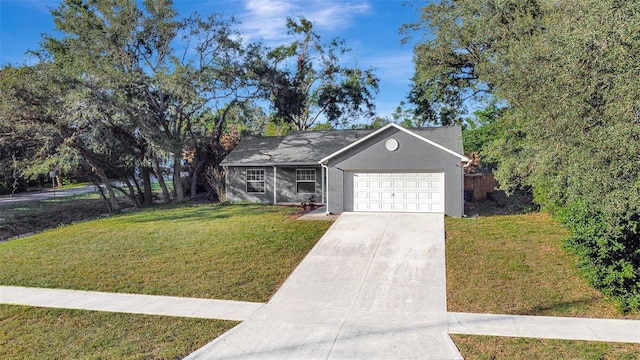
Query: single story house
pixel 388 169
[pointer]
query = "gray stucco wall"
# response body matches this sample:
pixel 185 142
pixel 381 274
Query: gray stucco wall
pixel 285 184
pixel 412 154
pixel 236 185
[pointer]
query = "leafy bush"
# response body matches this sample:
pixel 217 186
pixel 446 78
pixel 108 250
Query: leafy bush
pixel 608 249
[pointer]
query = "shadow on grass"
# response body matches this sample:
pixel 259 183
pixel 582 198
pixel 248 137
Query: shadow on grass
pixel 559 307
pixel 499 203
pixel 199 212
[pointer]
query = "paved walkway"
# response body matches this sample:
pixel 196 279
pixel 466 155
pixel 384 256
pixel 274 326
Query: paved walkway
pixel 545 327
pixel 542 327
pixel 372 288
pixel 129 303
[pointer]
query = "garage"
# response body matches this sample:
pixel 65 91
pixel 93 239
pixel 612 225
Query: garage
pixel 394 169
pixel 399 191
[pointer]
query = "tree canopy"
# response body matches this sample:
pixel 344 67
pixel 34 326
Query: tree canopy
pixel 566 73
pixel 317 86
pixel 129 90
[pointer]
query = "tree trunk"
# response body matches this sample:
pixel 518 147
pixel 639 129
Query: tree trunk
pixel 96 183
pixel 132 194
pixel 112 202
pixel 145 172
pixel 194 178
pixel 177 179
pixel 160 177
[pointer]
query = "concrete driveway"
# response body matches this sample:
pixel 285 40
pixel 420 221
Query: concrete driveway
pixel 374 287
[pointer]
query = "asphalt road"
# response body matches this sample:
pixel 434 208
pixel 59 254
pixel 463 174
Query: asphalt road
pixel 44 195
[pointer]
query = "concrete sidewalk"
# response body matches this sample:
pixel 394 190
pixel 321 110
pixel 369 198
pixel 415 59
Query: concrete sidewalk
pixel 542 327
pixel 374 287
pixel 129 303
pixel 545 327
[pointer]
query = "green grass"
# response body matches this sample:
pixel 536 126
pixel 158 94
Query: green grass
pixel 206 251
pixel 35 216
pixel 502 348
pixel 38 333
pixel 502 264
pixel 227 252
pixel 73 185
pixel 515 264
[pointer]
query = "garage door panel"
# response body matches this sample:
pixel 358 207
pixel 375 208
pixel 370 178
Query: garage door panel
pixel 386 195
pixel 425 185
pixel 402 192
pixel 385 206
pixel 423 195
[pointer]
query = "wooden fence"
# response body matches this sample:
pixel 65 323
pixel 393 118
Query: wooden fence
pixel 480 184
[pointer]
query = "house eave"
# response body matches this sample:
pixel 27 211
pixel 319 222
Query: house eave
pixel 326 159
pixel 297 164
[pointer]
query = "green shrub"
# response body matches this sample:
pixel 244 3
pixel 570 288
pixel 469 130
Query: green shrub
pixel 608 250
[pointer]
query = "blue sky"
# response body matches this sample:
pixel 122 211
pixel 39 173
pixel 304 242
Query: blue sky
pixel 370 28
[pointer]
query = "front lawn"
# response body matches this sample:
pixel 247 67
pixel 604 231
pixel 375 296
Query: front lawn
pixel 510 264
pixel 515 264
pixel 241 252
pixel 25 217
pixel 504 348
pixel 42 333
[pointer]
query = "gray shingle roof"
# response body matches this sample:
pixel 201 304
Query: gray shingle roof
pixel 447 136
pixel 253 150
pixel 308 147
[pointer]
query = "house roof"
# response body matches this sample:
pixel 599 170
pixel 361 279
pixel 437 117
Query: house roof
pixel 421 134
pixel 309 147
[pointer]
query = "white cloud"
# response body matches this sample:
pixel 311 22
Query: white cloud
pixel 266 19
pixel 331 15
pixel 393 68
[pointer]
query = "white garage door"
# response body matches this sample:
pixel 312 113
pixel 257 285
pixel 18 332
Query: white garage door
pixel 402 192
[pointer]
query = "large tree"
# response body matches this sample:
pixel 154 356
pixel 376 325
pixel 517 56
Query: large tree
pixel 567 74
pixel 460 53
pixel 309 83
pixel 141 87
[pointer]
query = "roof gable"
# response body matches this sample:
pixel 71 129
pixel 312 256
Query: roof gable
pixel 386 128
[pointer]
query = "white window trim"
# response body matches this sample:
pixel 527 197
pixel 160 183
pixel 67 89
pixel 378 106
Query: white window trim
pixel 247 181
pixel 307 181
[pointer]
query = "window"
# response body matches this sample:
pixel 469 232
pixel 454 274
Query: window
pixel 255 181
pixel 306 181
